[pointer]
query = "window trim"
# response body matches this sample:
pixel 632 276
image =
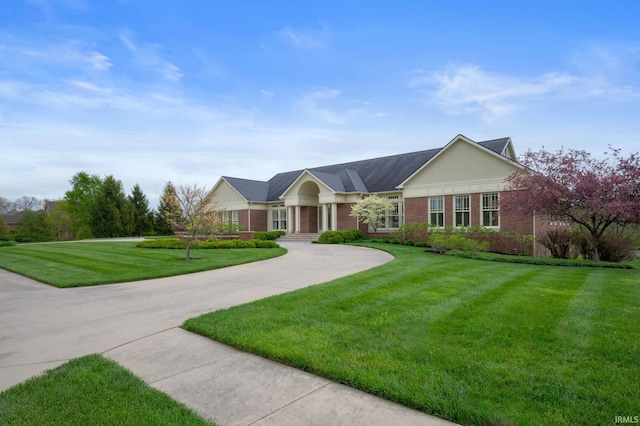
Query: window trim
pixel 466 209
pixel 493 209
pixel 439 212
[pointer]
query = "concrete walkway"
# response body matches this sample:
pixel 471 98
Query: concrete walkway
pixel 137 325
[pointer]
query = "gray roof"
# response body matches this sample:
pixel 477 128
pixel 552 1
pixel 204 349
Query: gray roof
pixel 251 190
pixel 382 174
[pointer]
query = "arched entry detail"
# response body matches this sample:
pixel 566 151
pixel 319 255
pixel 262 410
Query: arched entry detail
pixel 306 211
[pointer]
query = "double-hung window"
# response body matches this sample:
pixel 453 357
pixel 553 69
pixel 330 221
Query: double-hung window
pixel 279 218
pixel 462 210
pixel 490 216
pixel 393 215
pixel 436 211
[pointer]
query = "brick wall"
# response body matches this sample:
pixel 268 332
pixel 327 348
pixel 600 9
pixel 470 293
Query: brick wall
pixel 345 221
pixel 475 215
pixel 416 210
pixel 308 219
pixel 258 220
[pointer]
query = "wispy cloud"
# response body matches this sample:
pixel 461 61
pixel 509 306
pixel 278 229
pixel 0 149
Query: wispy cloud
pixel 313 102
pixel 65 53
pixel 148 56
pixel 306 38
pixel 468 89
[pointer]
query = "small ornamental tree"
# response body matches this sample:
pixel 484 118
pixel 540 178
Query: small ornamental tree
pixel 591 193
pixel 371 211
pixel 199 214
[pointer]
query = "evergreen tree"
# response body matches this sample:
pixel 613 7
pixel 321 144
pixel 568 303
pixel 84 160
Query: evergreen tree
pixel 168 210
pixel 140 210
pixel 111 213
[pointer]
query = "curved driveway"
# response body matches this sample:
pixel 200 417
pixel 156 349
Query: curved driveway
pixel 137 324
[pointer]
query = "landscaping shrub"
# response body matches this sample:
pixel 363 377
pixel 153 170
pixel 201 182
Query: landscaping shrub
pixel 164 243
pixel 437 242
pixel 7 243
pixel 558 241
pixel 331 237
pixel 443 242
pixel 174 243
pixel 530 260
pixel 611 248
pixel 614 248
pixel 351 235
pixel 268 236
pixel 266 244
pixel 415 232
pixel 506 242
pixel 408 242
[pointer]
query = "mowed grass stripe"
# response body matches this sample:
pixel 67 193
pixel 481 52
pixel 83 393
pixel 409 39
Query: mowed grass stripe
pixel 82 263
pixel 497 344
pixel 474 342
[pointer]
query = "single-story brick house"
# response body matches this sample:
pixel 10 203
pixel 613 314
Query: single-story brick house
pixel 456 185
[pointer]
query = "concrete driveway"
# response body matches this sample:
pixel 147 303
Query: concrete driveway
pixel 137 325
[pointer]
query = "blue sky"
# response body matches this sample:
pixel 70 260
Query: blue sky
pixel 187 91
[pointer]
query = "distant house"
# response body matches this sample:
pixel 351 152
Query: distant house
pixel 11 219
pixel 456 185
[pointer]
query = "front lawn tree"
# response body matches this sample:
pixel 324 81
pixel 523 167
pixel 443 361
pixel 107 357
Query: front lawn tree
pixel 572 185
pixel 142 223
pixel 168 210
pixel 84 190
pixel 372 211
pixel 198 215
pixel 111 212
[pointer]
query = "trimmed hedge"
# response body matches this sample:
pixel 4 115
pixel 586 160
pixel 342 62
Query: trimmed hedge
pixel 268 236
pixel 330 237
pixel 339 237
pixel 174 243
pixel 530 260
pixel 505 242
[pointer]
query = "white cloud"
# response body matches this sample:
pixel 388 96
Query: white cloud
pixel 311 103
pixel 306 38
pixel 468 89
pixel 66 53
pixel 148 56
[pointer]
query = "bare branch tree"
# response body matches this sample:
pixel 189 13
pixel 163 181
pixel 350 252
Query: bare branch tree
pixel 200 215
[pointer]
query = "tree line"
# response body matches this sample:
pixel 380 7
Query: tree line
pixel 93 207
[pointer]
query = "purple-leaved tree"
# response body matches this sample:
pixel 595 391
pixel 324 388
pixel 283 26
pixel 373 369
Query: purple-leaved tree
pixel 592 193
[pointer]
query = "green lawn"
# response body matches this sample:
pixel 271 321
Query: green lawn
pixel 91 391
pixel 84 263
pixel 467 340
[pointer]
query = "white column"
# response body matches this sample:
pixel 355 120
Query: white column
pixel 289 220
pixel 297 219
pixel 334 216
pixel 325 218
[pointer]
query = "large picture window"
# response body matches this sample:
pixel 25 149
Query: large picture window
pixel 436 211
pixel 462 210
pixel 490 216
